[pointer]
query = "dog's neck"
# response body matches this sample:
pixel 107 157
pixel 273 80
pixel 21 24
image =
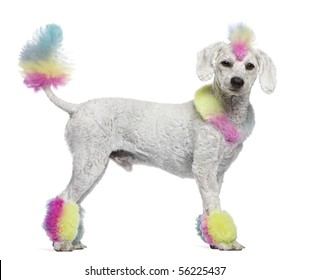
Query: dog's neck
pixel 236 107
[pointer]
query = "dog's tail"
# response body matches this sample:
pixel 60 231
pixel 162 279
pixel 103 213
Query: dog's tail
pixel 43 65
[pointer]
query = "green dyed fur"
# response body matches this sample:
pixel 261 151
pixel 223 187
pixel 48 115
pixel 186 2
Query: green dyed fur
pixel 221 227
pixel 206 104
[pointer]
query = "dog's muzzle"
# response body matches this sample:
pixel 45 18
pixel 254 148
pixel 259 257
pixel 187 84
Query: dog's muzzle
pixel 237 83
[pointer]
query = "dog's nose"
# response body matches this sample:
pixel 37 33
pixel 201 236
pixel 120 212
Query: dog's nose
pixel 237 82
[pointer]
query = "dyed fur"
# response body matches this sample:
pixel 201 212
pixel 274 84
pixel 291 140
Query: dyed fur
pixel 173 137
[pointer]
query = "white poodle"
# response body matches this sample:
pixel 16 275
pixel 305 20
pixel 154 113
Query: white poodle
pixel 198 139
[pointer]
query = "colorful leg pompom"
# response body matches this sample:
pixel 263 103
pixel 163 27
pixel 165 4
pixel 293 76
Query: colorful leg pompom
pixel 218 227
pixel 62 220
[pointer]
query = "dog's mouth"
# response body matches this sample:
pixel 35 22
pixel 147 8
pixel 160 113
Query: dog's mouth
pixel 234 91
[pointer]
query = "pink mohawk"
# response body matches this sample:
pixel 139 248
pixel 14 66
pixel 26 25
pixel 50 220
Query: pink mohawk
pixel 241 37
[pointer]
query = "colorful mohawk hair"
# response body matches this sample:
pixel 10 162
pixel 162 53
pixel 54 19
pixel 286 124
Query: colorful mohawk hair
pixel 41 61
pixel 241 37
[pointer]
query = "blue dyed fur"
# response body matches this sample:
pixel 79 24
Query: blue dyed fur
pixel 44 44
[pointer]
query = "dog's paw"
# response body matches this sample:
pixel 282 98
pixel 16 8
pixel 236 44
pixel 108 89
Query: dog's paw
pixel 63 246
pixel 233 246
pixel 79 246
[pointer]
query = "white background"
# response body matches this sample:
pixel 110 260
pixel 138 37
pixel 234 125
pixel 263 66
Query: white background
pixel 147 50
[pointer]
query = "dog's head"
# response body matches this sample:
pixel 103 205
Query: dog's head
pixel 236 65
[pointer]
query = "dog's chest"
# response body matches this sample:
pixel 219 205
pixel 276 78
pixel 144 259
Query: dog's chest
pixel 228 152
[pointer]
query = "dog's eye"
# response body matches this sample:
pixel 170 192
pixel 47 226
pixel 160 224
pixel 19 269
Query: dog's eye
pixel 226 63
pixel 249 66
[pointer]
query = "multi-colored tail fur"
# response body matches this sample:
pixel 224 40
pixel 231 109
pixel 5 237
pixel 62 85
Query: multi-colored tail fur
pixel 41 61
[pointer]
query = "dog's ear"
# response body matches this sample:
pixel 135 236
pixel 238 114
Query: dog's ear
pixel 205 59
pixel 267 75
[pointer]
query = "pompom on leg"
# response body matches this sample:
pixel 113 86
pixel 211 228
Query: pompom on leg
pixel 218 230
pixel 62 223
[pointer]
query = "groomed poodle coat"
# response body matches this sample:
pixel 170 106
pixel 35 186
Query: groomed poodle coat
pixel 198 139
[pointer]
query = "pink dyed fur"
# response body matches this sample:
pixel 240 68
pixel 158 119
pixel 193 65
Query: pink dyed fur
pixel 38 81
pixel 54 211
pixel 204 229
pixel 228 129
pixel 240 50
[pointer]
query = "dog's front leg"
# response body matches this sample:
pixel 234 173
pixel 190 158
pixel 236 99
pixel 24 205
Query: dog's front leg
pixel 214 226
pixel 205 165
pixel 209 190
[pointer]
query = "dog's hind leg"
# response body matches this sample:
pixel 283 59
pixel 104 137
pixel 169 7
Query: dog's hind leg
pixel 63 222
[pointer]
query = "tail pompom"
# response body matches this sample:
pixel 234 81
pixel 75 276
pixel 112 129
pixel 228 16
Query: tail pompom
pixel 41 60
pixel 44 44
